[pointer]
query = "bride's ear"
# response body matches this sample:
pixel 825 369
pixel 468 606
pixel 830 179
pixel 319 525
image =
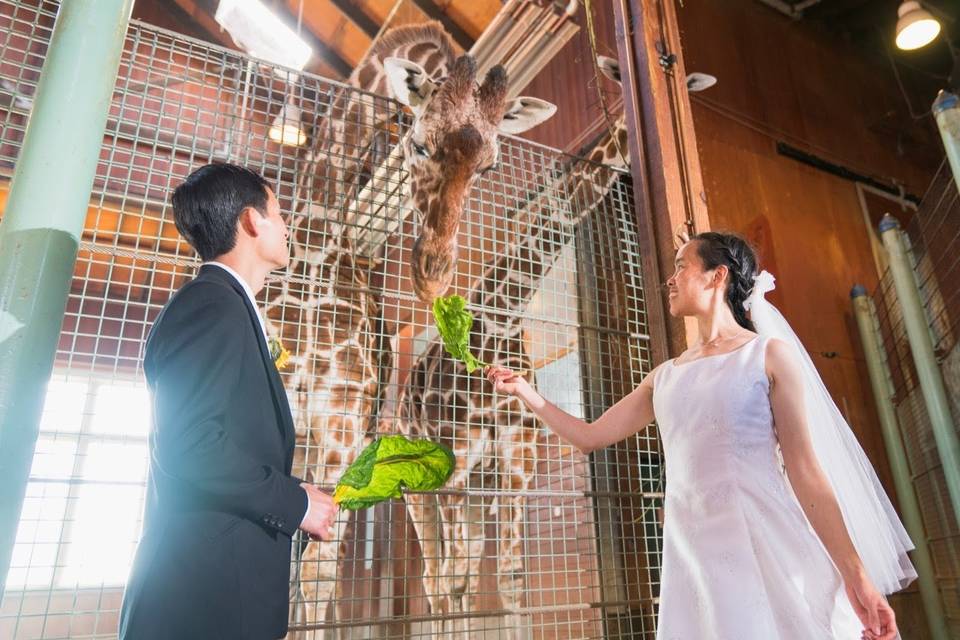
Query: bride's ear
pixel 720 274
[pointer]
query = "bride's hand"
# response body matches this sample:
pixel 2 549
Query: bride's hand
pixel 872 608
pixel 506 381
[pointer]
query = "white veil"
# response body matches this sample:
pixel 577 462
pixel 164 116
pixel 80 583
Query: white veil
pixel 871 521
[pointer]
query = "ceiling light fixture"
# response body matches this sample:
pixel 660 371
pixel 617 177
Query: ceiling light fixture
pixel 262 34
pixel 286 127
pixel 915 26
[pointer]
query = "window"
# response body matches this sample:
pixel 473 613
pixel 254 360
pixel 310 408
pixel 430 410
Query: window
pixel 82 513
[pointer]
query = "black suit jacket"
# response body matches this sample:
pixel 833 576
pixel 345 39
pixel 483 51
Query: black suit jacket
pixel 221 507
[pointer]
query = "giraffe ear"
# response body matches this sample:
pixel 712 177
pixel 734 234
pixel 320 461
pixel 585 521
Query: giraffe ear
pixel 609 67
pixel 525 113
pixel 408 82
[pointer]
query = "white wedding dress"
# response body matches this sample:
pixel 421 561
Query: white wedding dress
pixel 740 559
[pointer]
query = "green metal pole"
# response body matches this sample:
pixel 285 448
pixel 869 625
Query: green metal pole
pixel 921 346
pixel 909 507
pixel 42 224
pixel 946 110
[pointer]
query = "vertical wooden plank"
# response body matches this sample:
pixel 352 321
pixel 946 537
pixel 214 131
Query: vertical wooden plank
pixel 663 150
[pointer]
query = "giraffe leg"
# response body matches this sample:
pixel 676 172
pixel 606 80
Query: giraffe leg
pixel 473 537
pixel 425 513
pixel 301 469
pixel 517 446
pixel 324 463
pixel 459 570
pixel 451 572
pixel 318 575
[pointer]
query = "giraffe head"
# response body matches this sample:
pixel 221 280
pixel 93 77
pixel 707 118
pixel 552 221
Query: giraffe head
pixel 453 140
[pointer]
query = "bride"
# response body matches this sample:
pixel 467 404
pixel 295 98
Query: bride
pixel 776 526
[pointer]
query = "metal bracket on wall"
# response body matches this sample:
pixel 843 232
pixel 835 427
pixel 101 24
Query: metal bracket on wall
pixel 666 59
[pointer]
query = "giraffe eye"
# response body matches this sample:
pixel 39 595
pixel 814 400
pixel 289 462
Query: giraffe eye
pixel 421 150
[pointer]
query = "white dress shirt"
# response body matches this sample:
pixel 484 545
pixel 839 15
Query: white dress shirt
pixel 263 328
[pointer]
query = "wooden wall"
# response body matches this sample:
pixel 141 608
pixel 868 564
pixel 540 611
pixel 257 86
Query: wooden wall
pixel 569 82
pixel 784 80
pixel 781 80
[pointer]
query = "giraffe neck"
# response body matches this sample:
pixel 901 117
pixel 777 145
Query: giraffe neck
pixel 427 44
pixel 543 229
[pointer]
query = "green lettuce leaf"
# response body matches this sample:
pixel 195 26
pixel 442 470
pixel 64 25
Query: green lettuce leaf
pixel 454 323
pixel 390 464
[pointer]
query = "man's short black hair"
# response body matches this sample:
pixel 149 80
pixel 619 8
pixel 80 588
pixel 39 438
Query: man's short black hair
pixel 207 205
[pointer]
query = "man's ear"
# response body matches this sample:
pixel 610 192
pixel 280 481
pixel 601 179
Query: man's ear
pixel 251 221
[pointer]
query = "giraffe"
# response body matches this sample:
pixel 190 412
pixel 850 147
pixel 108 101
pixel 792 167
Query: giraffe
pixel 494 438
pixel 325 310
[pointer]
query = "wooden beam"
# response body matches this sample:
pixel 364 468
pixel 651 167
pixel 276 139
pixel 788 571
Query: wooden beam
pixel 356 15
pixel 434 12
pixel 328 54
pixel 667 182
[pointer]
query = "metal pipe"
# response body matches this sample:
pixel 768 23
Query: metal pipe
pixel 785 8
pixel 946 110
pixel 909 506
pixel 800 7
pixel 530 40
pixel 794 11
pixel 921 346
pixel 492 34
pixel 42 224
pixel 520 27
pixel 541 58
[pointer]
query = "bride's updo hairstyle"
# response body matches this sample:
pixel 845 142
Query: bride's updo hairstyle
pixel 728 249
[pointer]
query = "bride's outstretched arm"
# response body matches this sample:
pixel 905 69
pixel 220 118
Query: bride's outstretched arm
pixel 815 494
pixel 628 416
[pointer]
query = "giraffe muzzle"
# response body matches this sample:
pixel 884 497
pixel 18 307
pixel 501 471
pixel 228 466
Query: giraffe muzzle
pixel 434 265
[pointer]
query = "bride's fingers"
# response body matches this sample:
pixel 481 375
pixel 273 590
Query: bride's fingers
pixel 505 380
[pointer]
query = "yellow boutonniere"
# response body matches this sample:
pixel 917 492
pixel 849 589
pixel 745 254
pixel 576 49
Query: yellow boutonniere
pixel 278 352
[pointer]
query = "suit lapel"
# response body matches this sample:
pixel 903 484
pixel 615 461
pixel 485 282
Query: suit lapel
pixel 279 395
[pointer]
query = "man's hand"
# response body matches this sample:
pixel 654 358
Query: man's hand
pixel 321 513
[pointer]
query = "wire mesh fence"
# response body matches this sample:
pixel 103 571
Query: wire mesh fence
pixel 933 238
pixel 530 538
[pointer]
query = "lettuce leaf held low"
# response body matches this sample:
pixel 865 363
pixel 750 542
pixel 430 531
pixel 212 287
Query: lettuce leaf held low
pixel 390 464
pixel 454 323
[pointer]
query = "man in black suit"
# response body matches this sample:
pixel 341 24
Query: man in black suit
pixel 214 557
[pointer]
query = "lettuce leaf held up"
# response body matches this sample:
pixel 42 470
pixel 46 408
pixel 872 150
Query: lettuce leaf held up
pixel 390 464
pixel 454 323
